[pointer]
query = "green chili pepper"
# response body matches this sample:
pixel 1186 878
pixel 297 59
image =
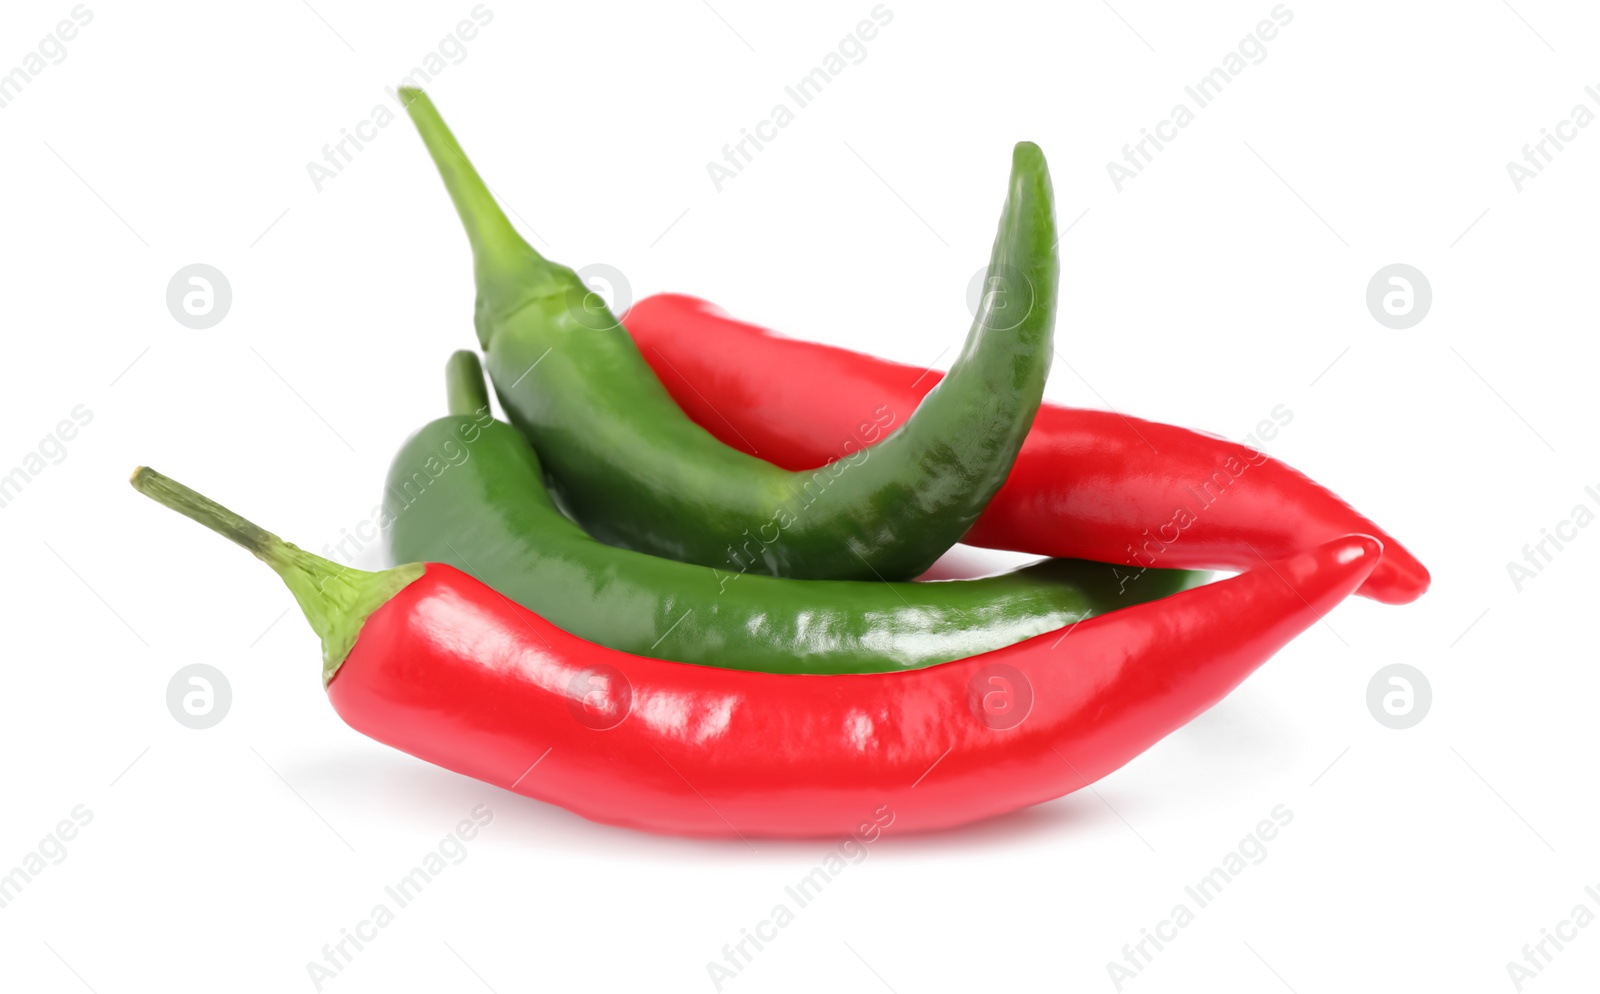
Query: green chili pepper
pixel 641 475
pixel 467 490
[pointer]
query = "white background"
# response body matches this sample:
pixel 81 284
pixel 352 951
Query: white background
pixel 1226 279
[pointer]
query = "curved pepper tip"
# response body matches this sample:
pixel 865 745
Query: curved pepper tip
pixel 1399 579
pixel 1027 148
pixel 1326 574
pixel 1031 202
pixel 1027 156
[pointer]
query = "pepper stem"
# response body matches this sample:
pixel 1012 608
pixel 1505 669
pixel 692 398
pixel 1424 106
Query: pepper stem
pixel 465 390
pixel 336 600
pixel 509 272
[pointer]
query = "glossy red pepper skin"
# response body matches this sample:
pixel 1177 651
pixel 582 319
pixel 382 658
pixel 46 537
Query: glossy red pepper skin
pixel 1087 484
pixel 455 674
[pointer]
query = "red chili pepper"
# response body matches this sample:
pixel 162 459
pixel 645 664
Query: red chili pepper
pixel 432 662
pixel 1086 485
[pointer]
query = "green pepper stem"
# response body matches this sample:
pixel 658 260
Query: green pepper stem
pixel 465 390
pixel 509 271
pixel 336 600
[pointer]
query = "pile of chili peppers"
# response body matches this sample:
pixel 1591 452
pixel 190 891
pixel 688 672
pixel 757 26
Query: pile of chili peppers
pixel 612 604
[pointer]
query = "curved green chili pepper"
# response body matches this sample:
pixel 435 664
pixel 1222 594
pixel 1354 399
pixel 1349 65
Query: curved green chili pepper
pixel 467 490
pixel 643 476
